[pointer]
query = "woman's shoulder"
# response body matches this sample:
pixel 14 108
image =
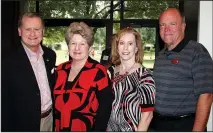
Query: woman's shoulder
pixel 111 71
pixel 111 68
pixel 143 71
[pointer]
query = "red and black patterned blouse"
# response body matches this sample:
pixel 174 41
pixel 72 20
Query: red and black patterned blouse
pixel 85 103
pixel 134 93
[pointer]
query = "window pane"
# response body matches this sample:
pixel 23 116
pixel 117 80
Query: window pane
pixel 116 15
pixel 54 39
pixel 116 10
pixel 148 38
pixel 30 6
pixel 146 9
pixel 99 43
pixel 116 27
pixel 75 9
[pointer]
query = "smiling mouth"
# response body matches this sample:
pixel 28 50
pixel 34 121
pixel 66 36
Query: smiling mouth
pixel 125 53
pixel 34 39
pixel 168 34
pixel 76 53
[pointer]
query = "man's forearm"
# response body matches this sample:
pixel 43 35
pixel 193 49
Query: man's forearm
pixel 202 112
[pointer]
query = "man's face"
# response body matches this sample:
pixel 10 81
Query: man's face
pixel 171 28
pixel 31 32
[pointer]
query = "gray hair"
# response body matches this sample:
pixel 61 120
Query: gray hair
pixel 82 29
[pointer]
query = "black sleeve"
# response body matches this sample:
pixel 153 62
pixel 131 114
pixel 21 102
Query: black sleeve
pixel 105 106
pixel 5 115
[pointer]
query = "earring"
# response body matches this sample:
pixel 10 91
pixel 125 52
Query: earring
pixel 136 50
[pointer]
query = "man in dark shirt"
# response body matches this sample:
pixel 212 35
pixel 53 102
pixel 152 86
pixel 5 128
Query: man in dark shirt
pixel 183 76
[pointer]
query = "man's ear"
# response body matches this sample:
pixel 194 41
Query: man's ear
pixel 183 27
pixel 19 31
pixel 43 31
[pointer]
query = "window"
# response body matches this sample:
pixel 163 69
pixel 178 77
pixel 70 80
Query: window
pixel 75 9
pixel 146 9
pixel 98 12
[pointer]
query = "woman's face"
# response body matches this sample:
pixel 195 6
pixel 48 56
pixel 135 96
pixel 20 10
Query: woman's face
pixel 127 47
pixel 78 47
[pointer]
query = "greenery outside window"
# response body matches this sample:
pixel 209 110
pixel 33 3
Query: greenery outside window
pixel 75 9
pixel 113 16
pixel 147 9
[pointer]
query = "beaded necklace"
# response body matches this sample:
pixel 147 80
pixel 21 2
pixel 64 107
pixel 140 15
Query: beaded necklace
pixel 126 71
pixel 118 77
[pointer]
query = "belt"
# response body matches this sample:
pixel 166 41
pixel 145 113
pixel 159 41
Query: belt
pixel 45 114
pixel 163 117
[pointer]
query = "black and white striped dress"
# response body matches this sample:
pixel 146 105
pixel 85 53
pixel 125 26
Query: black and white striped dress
pixel 134 93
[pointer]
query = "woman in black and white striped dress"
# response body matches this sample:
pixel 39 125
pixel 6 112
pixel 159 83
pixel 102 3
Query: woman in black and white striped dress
pixel 133 85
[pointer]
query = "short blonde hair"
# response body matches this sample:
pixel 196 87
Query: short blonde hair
pixel 115 55
pixel 30 15
pixel 82 29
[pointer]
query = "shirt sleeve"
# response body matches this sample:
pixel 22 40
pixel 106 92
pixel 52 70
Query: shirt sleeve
pixel 202 73
pixel 110 72
pixel 5 99
pixel 147 91
pixel 104 96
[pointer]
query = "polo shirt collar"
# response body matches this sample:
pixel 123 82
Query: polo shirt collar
pixel 178 48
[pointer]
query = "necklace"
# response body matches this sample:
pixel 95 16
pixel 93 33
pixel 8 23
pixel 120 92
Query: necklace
pixel 118 76
pixel 127 70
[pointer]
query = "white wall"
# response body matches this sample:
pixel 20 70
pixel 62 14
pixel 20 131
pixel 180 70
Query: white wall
pixel 205 36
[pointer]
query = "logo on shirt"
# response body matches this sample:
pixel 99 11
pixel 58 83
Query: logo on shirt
pixel 175 61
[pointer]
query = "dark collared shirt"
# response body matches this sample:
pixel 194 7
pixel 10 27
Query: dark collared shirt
pixel 181 75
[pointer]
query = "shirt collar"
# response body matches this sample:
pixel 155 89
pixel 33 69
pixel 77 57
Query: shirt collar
pixel 30 53
pixel 179 47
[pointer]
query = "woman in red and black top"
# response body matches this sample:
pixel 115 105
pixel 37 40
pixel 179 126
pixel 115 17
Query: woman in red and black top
pixel 82 93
